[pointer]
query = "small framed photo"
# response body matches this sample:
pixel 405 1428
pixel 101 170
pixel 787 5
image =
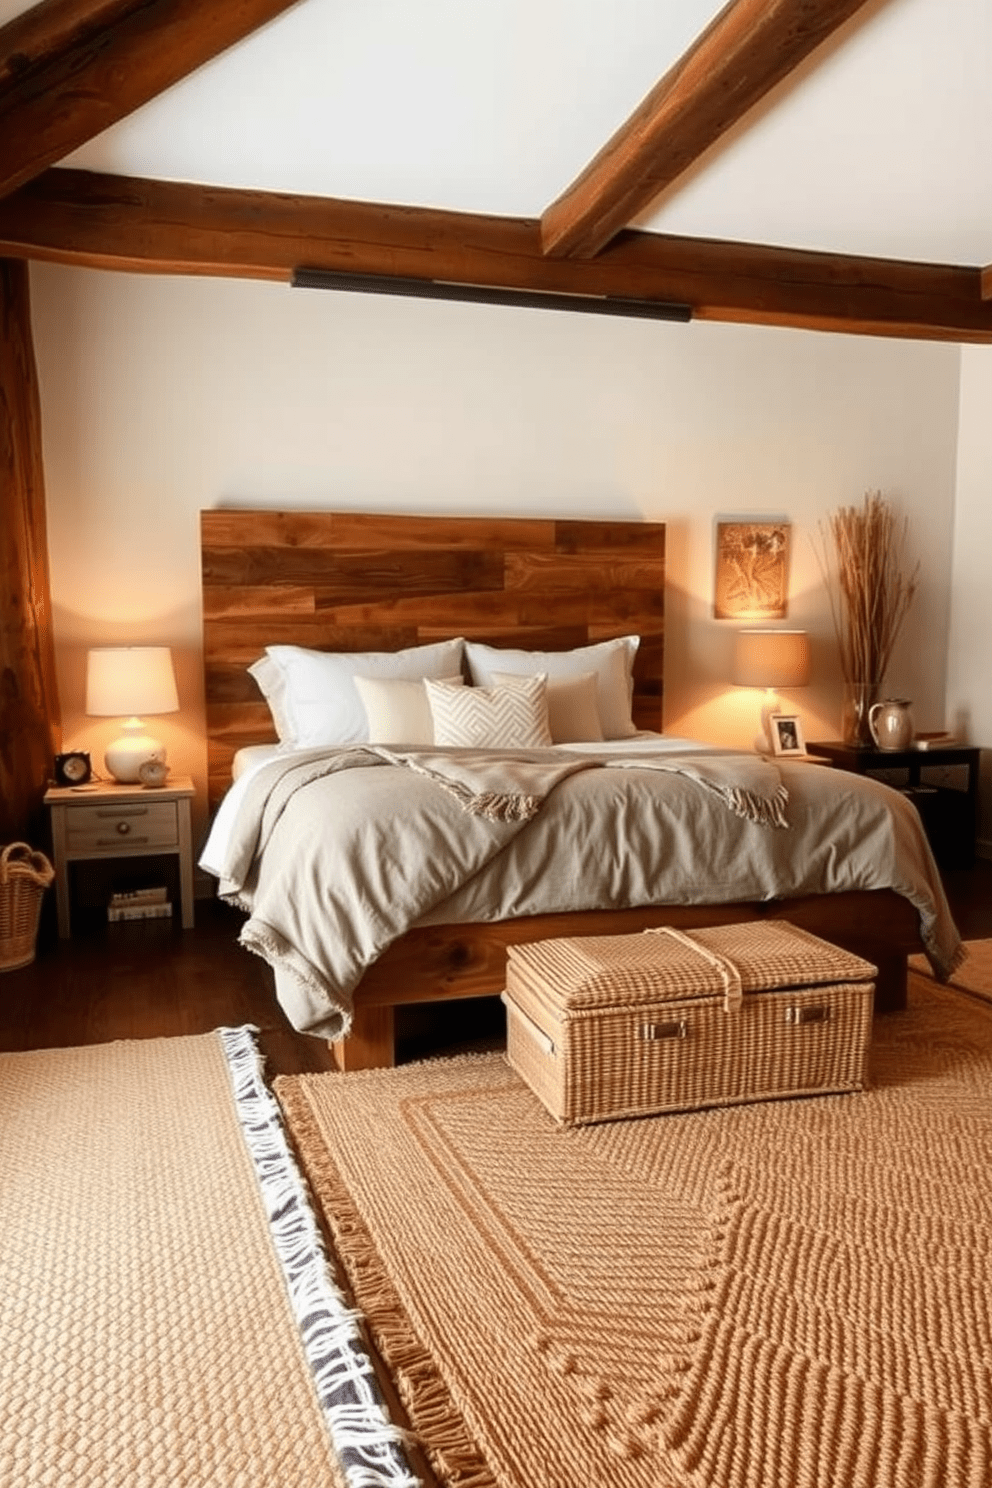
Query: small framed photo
pixel 787 734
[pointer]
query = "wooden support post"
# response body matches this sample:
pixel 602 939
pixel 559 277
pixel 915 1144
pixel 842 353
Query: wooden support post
pixel 29 716
pixel 371 1043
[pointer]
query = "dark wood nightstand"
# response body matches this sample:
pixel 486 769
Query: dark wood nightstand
pixel 941 783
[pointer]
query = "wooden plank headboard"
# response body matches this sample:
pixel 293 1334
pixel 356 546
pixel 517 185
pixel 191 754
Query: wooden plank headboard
pixel 343 581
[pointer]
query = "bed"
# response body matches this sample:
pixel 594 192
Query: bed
pixel 350 582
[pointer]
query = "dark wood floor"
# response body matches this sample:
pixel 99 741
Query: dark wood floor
pixel 147 979
pixel 151 979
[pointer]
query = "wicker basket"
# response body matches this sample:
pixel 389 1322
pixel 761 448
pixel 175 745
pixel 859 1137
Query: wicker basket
pixel 24 877
pixel 669 1020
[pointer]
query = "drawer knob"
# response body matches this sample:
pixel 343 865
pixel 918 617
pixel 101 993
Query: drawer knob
pixel 123 828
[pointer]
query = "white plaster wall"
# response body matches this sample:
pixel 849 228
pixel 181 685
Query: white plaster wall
pixel 162 396
pixel 969 674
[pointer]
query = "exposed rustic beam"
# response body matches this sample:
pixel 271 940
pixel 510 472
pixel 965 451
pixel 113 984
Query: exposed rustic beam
pixel 29 705
pixel 36 35
pixel 987 283
pixel 72 68
pixel 748 48
pixel 116 222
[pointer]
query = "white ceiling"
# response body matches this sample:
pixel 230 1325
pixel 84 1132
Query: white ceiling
pixel 880 144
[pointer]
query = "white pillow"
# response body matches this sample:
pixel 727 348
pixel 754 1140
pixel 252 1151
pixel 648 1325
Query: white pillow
pixel 573 707
pixel 316 697
pixel 513 717
pixel 612 661
pixel 272 686
pixel 397 710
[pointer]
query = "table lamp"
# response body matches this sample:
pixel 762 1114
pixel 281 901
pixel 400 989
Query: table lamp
pixel 125 681
pixel 770 659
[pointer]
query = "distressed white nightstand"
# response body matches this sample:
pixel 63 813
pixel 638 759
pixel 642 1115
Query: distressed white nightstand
pixel 121 821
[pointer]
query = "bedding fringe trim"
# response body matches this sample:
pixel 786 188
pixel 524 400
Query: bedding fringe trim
pixel 766 811
pixel 764 808
pixel 368 1445
pixel 333 1023
pixel 494 806
pixel 445 1438
pixel 956 961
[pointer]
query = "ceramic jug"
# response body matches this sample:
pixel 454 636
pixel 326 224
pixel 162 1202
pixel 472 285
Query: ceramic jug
pixel 891 723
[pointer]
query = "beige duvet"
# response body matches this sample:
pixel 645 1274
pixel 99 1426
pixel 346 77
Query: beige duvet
pixel 335 854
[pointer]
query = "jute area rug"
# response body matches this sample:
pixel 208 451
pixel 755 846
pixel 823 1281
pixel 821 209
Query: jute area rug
pixel 794 1294
pixel 155 1265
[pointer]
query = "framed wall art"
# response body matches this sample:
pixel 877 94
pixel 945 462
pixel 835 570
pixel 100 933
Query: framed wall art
pixel 752 570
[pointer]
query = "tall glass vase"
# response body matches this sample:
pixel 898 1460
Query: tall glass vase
pixel 859 698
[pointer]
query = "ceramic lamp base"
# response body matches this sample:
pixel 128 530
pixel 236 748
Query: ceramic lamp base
pixel 126 755
pixel 763 742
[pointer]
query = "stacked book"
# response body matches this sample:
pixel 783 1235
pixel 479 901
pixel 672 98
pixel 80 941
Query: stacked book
pixel 140 904
pixel 938 740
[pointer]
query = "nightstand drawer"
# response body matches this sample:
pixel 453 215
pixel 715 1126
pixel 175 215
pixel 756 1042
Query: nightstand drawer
pixel 118 826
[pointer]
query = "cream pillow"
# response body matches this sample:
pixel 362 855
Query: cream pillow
pixel 513 717
pixel 573 706
pixel 612 662
pixel 397 709
pixel 312 694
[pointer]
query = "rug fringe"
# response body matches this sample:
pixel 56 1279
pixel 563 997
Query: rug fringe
pixel 421 1386
pixel 368 1444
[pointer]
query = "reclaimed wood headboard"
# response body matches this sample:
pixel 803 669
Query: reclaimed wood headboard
pixel 345 581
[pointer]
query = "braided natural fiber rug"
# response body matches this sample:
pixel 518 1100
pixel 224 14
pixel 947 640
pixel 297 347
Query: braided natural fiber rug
pixel 793 1294
pixel 149 1331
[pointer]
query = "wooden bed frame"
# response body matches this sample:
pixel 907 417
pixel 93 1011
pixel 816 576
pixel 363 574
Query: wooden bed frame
pixel 362 582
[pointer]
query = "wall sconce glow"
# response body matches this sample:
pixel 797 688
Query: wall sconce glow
pixel 124 682
pixel 770 659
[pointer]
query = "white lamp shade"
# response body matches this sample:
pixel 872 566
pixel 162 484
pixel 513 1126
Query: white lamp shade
pixel 122 682
pixel 126 681
pixel 771 658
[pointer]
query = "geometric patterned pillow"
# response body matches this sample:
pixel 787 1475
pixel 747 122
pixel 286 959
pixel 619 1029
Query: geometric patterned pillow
pixel 514 717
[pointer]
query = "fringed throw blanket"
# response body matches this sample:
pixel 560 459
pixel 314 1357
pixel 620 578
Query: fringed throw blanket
pixel 786 1295
pixel 514 786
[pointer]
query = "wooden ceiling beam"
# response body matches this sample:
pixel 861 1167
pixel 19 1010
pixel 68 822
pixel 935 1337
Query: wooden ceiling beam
pixel 124 223
pixel 36 35
pixel 71 68
pixel 987 283
pixel 744 52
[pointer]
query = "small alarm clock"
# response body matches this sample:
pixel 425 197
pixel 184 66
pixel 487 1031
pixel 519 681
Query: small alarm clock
pixel 73 768
pixel 153 772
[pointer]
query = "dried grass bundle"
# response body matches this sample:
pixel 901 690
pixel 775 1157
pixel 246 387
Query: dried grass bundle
pixel 870 591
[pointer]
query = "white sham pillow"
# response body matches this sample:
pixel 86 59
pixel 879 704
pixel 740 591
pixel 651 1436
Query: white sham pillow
pixel 573 706
pixel 314 700
pixel 612 661
pixel 514 717
pixel 272 686
pixel 398 710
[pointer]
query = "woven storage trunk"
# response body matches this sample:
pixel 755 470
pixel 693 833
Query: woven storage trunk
pixel 24 877
pixel 669 1020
